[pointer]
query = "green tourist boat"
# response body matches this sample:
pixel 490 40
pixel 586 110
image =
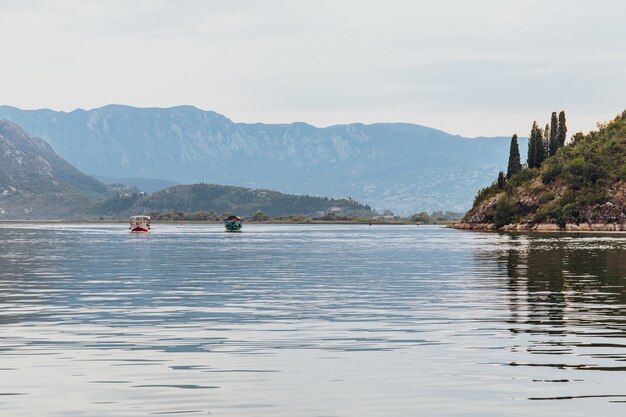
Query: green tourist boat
pixel 233 224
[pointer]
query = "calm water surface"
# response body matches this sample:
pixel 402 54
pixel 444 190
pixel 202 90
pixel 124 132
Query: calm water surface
pixel 310 321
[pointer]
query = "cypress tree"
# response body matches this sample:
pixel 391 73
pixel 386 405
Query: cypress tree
pixel 554 124
pixel 532 151
pixel 540 148
pixel 501 180
pixel 537 142
pixel 561 131
pixel 546 141
pixel 515 164
pixel 536 148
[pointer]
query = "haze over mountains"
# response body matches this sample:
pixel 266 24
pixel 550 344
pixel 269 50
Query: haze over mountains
pixel 36 182
pixel 399 166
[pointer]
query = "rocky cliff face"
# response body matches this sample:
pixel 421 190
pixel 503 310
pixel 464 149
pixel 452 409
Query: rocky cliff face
pixel 398 166
pixel 36 183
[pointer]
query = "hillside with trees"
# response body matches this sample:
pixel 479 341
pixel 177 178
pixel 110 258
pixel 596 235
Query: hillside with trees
pixel 212 198
pixel 578 185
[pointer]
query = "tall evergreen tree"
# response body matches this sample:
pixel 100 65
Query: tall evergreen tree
pixel 546 141
pixel 501 180
pixel 540 147
pixel 561 132
pixel 532 151
pixel 554 124
pixel 515 164
pixel 536 145
pixel 536 148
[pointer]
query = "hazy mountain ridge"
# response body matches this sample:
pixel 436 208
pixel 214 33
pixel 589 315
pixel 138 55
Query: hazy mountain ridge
pixel 394 165
pixel 146 185
pixel 35 182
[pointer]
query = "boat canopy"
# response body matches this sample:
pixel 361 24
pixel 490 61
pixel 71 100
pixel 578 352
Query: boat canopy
pixel 231 218
pixel 140 218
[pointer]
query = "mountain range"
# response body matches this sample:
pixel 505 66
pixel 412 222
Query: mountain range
pixel 36 182
pixel 398 166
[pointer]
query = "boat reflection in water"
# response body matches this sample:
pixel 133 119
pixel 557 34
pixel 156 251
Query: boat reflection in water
pixel 139 224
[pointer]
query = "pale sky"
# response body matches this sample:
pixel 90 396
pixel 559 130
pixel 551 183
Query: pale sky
pixel 474 68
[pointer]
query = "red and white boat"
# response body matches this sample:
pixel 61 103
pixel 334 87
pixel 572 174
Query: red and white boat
pixel 139 224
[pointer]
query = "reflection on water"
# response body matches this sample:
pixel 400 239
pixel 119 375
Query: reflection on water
pixel 309 321
pixel 568 292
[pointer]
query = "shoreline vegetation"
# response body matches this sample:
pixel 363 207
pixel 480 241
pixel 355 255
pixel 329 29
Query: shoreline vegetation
pixel 179 217
pixel 311 222
pixel 570 186
pixel 297 219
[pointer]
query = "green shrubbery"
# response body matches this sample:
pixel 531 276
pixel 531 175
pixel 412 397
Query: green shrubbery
pixel 259 216
pixel 177 215
pixel 524 177
pixel 505 211
pixel 435 217
pixel 550 172
pixel 485 194
pixel 547 197
pixel 595 159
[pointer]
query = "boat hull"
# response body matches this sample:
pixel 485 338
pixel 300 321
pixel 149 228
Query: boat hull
pixel 139 224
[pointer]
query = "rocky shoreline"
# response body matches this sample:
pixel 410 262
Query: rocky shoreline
pixel 543 227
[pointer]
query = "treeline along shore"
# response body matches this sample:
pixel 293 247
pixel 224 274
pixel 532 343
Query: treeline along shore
pixel 436 217
pixel 212 217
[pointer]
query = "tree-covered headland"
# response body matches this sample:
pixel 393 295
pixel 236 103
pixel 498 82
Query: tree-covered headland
pixel 575 184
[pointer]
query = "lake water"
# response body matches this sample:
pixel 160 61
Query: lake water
pixel 305 321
